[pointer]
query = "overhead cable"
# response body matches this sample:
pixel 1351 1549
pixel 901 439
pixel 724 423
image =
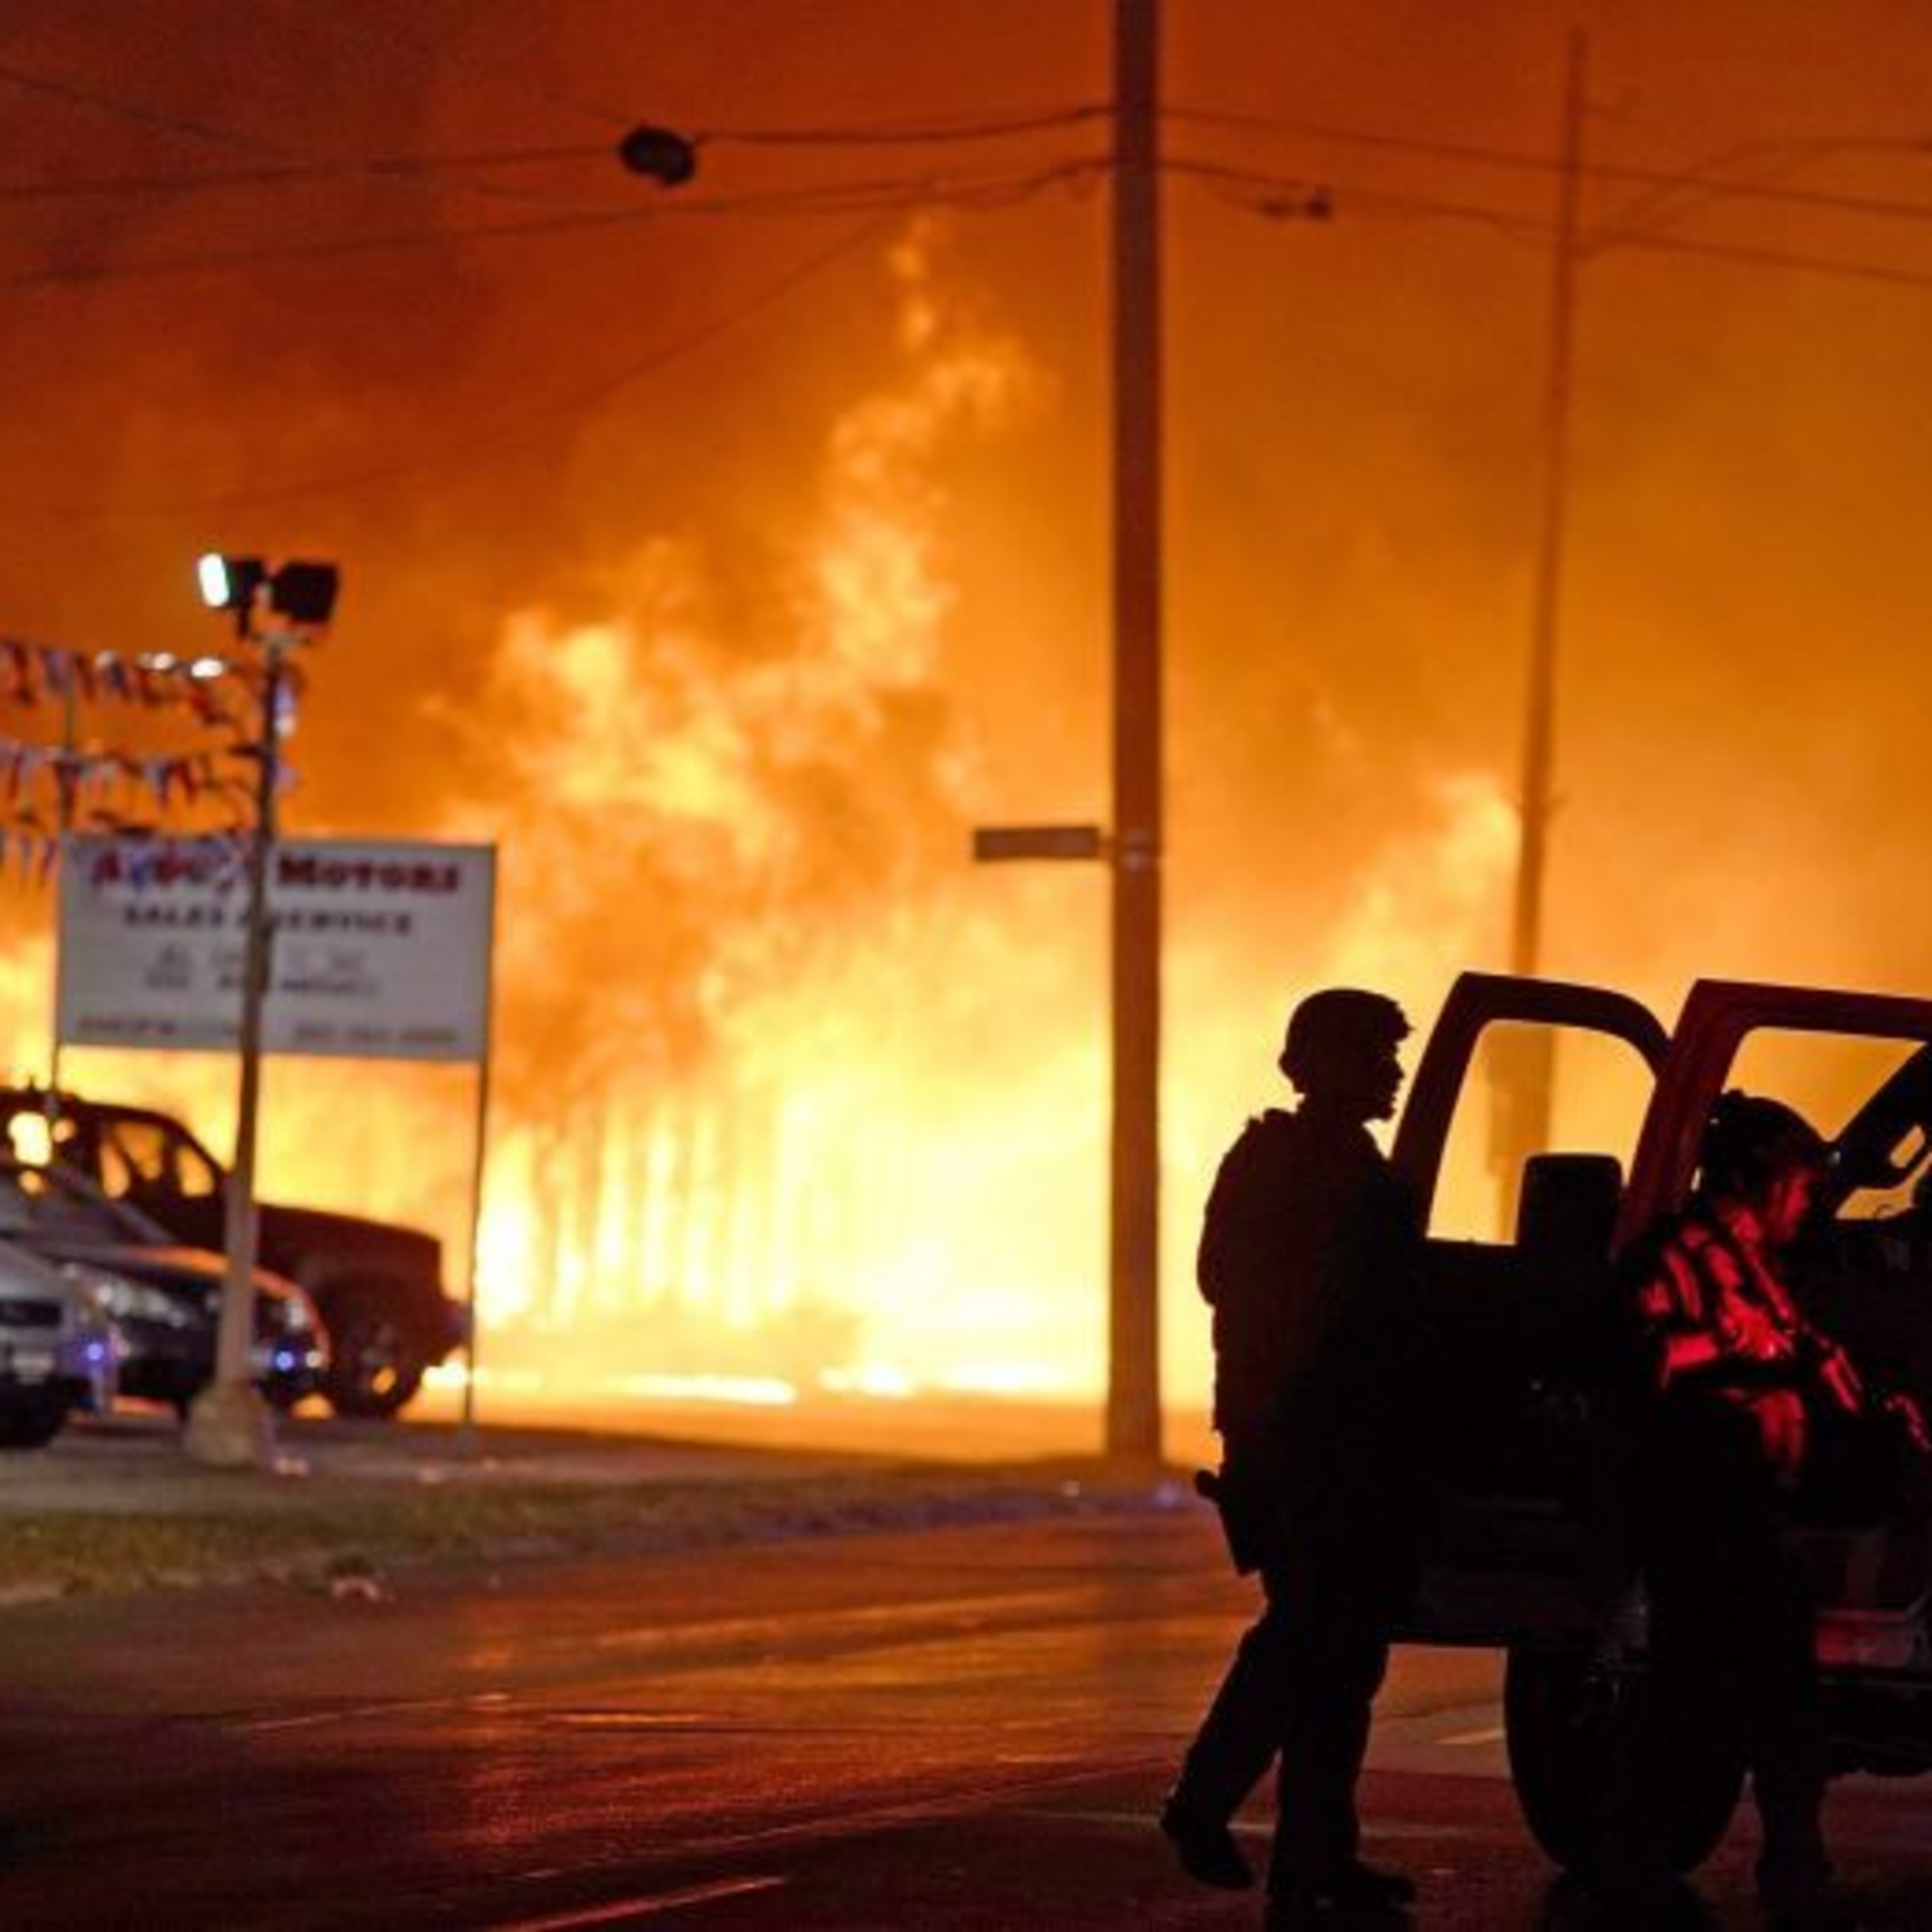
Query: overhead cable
pixel 298 171
pixel 876 195
pixel 73 92
pixel 276 174
pixel 912 133
pixel 1253 188
pixel 1628 173
pixel 284 162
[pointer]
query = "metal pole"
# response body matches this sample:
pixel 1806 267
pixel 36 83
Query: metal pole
pixel 1540 734
pixel 1524 1079
pixel 70 777
pixel 1133 1369
pixel 229 1425
pixel 468 1432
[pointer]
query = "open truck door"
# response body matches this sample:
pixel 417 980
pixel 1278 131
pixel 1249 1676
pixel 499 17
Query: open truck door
pixel 1517 1562
pixel 1517 1310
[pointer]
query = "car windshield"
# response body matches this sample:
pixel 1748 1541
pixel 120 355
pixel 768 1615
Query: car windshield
pixel 55 1204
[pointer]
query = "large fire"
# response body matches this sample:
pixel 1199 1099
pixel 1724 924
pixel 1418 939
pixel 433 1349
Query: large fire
pixel 787 1099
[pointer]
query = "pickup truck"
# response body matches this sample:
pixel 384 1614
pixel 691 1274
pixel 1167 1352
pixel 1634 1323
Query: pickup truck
pixel 1530 1554
pixel 377 1287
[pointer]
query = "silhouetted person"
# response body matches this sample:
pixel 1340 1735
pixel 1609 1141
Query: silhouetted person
pixel 1720 1431
pixel 1307 1257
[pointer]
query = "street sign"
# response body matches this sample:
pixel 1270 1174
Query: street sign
pixel 994 843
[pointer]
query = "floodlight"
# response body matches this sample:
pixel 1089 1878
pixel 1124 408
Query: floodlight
pixel 304 592
pixel 229 582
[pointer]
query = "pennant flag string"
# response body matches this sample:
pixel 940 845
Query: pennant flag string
pixel 31 672
pixel 47 791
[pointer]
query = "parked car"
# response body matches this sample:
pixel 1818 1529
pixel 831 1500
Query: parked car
pixel 163 1300
pixel 378 1286
pixel 59 1350
pixel 1529 1556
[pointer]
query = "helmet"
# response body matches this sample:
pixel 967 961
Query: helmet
pixel 1749 1141
pixel 1332 1035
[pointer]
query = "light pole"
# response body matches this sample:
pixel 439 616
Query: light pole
pixel 229 1425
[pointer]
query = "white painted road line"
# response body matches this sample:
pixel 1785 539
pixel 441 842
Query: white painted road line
pixel 356 1714
pixel 651 1906
pixel 1491 1734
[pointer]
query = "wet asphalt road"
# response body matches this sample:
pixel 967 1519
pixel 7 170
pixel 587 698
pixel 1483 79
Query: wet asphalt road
pixel 957 1728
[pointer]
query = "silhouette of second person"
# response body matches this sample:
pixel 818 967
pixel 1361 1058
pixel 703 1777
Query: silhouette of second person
pixel 1729 1374
pixel 1308 1258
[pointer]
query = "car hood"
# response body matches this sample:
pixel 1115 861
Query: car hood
pixel 163 1267
pixel 24 1271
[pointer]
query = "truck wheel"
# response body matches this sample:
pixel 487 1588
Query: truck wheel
pixel 1565 1717
pixel 373 1366
pixel 32 1422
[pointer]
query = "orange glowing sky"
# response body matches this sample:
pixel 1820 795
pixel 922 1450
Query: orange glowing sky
pixel 730 566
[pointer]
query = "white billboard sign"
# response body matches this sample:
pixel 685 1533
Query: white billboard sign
pixel 381 949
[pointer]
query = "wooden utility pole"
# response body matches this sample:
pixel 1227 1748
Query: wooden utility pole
pixel 1133 1359
pixel 1523 1081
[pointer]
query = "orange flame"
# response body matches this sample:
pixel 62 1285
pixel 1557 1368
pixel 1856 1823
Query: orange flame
pixel 787 1099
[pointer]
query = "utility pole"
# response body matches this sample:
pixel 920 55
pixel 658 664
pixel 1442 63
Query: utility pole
pixel 1523 1076
pixel 1133 1334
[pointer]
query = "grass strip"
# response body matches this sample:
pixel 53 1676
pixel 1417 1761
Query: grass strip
pixel 326 1533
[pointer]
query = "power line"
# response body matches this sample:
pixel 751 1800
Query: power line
pixel 889 191
pixel 276 174
pixel 1258 191
pixel 990 190
pixel 854 197
pixel 1277 197
pixel 1274 196
pixel 285 161
pixel 575 402
pixel 301 171
pixel 1676 202
pixel 909 133
pixel 215 260
pixel 906 132
pixel 72 92
pixel 1831 265
pixel 1628 173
